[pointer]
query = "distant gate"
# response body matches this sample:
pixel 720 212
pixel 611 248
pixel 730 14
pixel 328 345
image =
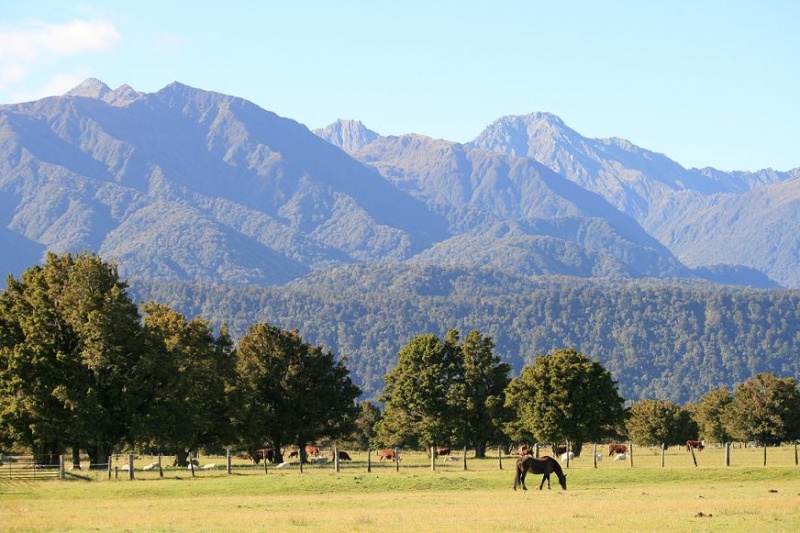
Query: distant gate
pixel 25 467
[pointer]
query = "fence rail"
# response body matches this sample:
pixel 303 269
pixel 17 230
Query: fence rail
pixel 27 467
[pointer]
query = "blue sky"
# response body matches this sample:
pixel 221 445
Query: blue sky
pixel 708 83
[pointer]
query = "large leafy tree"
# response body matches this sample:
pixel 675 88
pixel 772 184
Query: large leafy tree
pixel 765 409
pixel 564 396
pixel 660 423
pixel 423 395
pixel 711 415
pixel 191 373
pixel 485 380
pixel 70 357
pixel 445 392
pixel 289 391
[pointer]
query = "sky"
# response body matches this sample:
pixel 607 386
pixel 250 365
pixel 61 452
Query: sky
pixel 707 83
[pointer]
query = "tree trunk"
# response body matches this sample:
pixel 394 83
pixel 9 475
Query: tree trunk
pixel 181 458
pixel 46 454
pixel 76 458
pixel 480 450
pixel 301 451
pixel 98 456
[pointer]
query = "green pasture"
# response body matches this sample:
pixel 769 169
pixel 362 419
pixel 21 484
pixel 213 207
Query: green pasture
pixel 612 497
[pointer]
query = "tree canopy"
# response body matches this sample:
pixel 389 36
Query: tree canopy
pixel 290 392
pixel 765 409
pixel 447 392
pixel 660 423
pixel 71 357
pixel 190 377
pixel 564 396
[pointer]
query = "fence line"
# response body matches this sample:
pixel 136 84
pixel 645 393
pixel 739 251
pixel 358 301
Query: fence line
pixel 26 467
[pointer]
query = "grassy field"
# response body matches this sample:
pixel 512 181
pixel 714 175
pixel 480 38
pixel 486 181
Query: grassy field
pixel 613 497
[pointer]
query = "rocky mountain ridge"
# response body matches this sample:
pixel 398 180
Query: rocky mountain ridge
pixel 192 185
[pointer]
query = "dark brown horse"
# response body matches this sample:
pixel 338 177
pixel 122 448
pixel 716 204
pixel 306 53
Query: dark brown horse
pixel 545 466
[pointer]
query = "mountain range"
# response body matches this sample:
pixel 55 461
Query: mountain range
pixel 192 185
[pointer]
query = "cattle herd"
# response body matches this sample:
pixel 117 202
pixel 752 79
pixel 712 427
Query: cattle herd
pixel 314 454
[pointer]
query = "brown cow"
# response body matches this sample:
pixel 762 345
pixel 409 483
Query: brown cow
pixel 388 455
pixel 312 451
pixel 616 448
pixel 294 454
pixel 442 451
pixel 696 444
pixel 344 456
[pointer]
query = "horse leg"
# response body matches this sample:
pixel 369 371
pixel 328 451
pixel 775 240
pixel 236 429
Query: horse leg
pixel 545 477
pixel 522 479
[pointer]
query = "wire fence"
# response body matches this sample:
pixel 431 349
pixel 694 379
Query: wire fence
pixel 143 467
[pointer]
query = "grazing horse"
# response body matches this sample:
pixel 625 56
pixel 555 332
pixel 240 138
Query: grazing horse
pixel 696 444
pixel 616 449
pixel 545 466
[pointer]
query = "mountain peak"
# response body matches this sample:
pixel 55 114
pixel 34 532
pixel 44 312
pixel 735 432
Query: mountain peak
pixel 349 135
pixel 90 88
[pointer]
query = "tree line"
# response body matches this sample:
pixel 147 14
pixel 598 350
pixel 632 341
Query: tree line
pixel 82 368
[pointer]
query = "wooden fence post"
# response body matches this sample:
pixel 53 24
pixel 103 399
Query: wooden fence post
pixel 369 460
pixel 160 470
pixel 727 454
pixel 765 454
pixel 465 457
pixel 397 459
pixel 500 456
pixel 130 466
pixel 433 458
pixel 109 467
pixel 594 456
pixel 536 450
pixel 336 458
pixel 630 455
pixel 663 451
pixel 191 463
pixel 228 462
pixel 694 457
pixel 61 473
pixel 795 453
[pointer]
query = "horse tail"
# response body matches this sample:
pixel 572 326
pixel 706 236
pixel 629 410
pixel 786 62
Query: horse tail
pixel 517 471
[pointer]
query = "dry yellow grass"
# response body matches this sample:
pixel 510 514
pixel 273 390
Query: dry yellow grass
pixel 613 497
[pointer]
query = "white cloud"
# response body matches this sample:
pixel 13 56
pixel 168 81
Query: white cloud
pixel 24 46
pixel 39 39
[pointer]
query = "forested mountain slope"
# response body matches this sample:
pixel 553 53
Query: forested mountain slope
pixel 659 339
